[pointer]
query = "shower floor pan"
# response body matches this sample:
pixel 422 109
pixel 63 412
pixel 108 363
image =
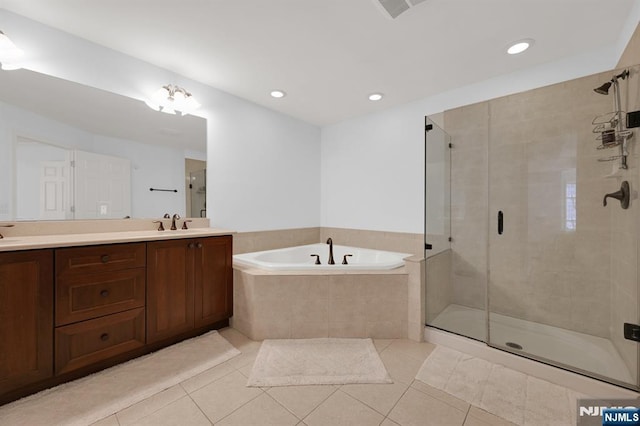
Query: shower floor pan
pixel 582 351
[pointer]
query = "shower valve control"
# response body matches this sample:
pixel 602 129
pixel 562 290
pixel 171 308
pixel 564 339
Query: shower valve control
pixel 632 331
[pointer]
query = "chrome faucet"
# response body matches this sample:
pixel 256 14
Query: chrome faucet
pixel 331 261
pixel 5 226
pixel 173 221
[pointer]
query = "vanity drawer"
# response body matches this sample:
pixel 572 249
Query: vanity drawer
pixel 103 258
pixel 84 343
pixel 82 297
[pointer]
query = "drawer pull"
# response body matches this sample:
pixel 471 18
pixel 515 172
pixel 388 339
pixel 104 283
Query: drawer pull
pixel 104 258
pixel 104 293
pixel 191 245
pixel 199 245
pixel 104 337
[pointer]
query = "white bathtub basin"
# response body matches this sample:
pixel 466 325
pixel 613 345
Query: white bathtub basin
pixel 300 258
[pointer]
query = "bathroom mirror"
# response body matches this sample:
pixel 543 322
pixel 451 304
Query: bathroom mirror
pixel 69 151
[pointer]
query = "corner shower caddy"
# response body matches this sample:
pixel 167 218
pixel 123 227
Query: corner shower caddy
pixel 610 127
pixel 611 134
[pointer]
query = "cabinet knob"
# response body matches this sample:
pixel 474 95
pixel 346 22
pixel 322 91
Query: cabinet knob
pixel 199 245
pixel 104 258
pixel 104 337
pixel 104 293
pixel 191 245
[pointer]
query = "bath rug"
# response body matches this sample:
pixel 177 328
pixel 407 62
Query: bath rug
pixel 89 399
pixel 325 361
pixel 501 391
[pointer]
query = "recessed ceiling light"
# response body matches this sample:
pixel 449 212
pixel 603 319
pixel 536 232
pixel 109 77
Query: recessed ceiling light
pixel 520 46
pixel 375 96
pixel 278 94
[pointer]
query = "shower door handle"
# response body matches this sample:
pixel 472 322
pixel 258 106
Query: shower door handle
pixel 500 222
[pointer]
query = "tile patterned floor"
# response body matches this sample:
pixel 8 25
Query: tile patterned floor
pixel 219 396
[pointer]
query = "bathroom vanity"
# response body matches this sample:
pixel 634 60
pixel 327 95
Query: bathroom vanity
pixel 73 304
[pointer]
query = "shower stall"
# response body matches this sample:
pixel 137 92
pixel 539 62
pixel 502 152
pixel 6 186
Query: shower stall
pixel 524 252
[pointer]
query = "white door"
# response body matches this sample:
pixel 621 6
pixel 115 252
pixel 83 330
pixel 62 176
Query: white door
pixel 54 190
pixel 102 186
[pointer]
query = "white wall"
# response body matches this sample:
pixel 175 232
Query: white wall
pixel 373 166
pixel 263 167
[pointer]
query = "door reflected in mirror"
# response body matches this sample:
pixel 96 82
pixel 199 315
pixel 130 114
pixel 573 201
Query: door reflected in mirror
pixel 69 151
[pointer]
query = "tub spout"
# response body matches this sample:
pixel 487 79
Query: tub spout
pixel 331 261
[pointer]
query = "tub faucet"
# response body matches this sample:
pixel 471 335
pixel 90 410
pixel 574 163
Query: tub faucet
pixel 331 261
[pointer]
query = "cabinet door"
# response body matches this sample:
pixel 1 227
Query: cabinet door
pixel 87 342
pixel 169 288
pixel 26 318
pixel 213 280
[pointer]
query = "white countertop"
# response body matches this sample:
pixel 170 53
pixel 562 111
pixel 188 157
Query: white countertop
pixel 68 240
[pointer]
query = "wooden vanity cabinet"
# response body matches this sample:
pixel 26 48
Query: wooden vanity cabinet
pixel 100 298
pixel 189 285
pixel 68 312
pixel 26 318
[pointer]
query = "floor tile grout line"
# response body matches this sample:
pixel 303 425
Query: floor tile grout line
pixel 399 399
pixel 320 403
pixel 238 408
pixel 283 406
pixel 466 415
pixel 149 397
pixel 439 399
pixel 358 399
pixel 200 409
pixel 208 383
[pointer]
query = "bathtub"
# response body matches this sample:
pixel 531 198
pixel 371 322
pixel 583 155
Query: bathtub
pixel 300 258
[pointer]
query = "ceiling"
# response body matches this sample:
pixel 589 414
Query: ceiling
pixel 329 55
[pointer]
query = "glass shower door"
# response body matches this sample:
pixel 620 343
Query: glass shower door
pixel 446 306
pixel 562 267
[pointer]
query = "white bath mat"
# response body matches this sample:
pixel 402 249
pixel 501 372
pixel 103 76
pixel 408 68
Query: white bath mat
pixel 326 361
pixel 517 397
pixel 94 397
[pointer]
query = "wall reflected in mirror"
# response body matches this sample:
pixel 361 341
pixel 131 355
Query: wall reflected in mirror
pixel 69 151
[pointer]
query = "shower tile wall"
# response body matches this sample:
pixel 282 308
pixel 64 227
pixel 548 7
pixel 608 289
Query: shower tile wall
pixel 541 268
pixel 535 147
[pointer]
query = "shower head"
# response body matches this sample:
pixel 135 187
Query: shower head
pixel 604 89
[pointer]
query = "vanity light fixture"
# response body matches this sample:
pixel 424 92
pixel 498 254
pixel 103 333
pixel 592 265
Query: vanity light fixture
pixel 170 99
pixel 376 96
pixel 520 46
pixel 9 53
pixel 278 94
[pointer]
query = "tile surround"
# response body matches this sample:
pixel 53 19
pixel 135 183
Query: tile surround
pixel 304 306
